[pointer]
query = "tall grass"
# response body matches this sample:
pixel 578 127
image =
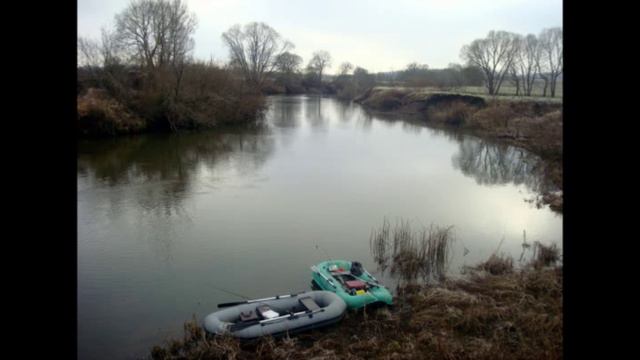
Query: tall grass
pixel 379 245
pixel 544 255
pixel 412 255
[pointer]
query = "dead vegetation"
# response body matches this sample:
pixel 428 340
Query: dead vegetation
pixel 99 113
pixel 412 255
pixel 206 96
pixel 494 312
pixel 497 265
pixel 514 315
pixel 455 113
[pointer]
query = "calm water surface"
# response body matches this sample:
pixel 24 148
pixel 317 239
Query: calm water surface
pixel 165 221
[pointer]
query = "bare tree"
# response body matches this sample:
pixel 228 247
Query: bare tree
pixel 345 68
pixel 320 61
pixel 156 32
pixel 549 59
pixel 415 74
pixel 254 49
pixel 103 60
pixel 363 79
pixel 525 62
pixel 494 55
pixel 514 75
pixel 288 63
pixel 456 78
pixel 89 54
pixel 111 52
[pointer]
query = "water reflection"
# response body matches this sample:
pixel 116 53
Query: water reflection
pixel 313 106
pixel 490 164
pixel 285 112
pixel 487 162
pixel 153 176
pixel 162 216
pixel 170 160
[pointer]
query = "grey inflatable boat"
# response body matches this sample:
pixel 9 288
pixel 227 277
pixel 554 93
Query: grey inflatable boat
pixel 277 315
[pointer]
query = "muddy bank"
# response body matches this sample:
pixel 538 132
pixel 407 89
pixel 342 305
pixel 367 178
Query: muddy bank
pixel 532 124
pixel 507 315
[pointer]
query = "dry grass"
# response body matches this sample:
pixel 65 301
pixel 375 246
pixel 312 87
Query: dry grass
pixel 379 245
pixel 497 265
pixel 383 99
pixel 455 113
pixel 545 255
pixel 515 315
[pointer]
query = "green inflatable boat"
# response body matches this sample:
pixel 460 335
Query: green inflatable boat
pixel 351 282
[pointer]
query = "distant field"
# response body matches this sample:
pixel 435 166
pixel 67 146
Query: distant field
pixel 511 90
pixel 507 92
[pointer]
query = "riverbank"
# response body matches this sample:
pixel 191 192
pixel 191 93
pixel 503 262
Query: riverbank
pixel 494 312
pixel 100 114
pixel 534 124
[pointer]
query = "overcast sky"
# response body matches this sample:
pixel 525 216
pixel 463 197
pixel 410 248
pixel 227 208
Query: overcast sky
pixel 376 35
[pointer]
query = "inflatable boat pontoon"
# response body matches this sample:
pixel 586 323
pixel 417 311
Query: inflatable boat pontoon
pixel 351 282
pixel 277 315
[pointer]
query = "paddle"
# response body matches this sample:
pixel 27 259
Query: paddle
pixel 258 300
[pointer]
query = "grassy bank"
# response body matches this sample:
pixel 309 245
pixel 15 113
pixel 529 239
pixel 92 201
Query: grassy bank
pixel 507 315
pixel 534 124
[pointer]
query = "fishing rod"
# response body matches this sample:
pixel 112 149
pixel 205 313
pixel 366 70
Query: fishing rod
pixel 325 251
pixel 229 292
pixel 249 301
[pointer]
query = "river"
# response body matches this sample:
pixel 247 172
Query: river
pixel 169 225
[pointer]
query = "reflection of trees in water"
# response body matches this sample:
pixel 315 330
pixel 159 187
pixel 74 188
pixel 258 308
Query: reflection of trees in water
pixel 492 164
pixel 286 111
pixel 347 111
pixel 165 164
pixel 409 123
pixel 156 173
pixel 313 112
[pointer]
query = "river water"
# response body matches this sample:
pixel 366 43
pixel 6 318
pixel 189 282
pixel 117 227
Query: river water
pixel 168 223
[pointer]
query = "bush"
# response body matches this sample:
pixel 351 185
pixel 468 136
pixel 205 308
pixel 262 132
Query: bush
pixel 202 95
pixel 453 113
pixel 385 100
pixel 100 114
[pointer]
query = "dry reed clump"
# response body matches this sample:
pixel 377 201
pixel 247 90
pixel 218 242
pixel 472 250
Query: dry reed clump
pixel 411 255
pixel 379 243
pixel 544 255
pixel 497 265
